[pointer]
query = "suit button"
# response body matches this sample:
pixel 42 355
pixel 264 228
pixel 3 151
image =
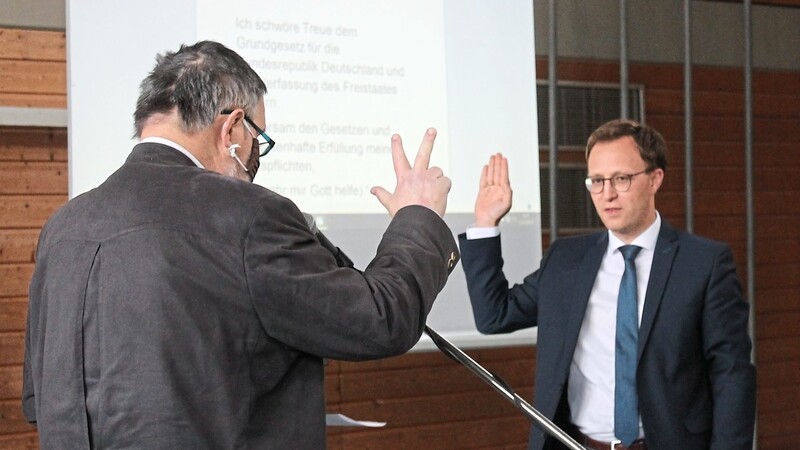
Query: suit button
pixel 452 261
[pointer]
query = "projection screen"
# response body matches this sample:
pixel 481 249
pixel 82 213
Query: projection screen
pixel 343 76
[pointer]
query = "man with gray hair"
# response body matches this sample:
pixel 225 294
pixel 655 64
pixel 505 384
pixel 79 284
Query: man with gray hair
pixel 178 305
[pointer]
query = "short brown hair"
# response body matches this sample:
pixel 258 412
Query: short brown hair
pixel 652 147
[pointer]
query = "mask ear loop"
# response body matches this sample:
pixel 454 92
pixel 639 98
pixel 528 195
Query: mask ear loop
pixel 232 149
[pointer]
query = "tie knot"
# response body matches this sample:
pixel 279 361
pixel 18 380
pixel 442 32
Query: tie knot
pixel 629 252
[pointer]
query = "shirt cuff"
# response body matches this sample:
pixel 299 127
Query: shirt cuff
pixel 474 232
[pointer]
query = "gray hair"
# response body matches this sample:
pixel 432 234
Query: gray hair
pixel 199 81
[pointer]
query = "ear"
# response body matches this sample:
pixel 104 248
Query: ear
pixel 656 178
pixel 229 127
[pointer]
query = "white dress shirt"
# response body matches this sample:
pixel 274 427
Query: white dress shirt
pixel 591 374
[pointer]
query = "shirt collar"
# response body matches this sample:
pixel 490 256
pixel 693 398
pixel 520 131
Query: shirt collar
pixel 176 146
pixel 646 240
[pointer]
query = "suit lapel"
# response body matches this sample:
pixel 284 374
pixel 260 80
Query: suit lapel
pixel 580 292
pixel 664 255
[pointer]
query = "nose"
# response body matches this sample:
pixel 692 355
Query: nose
pixel 608 190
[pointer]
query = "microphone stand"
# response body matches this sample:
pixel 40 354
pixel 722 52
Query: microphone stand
pixel 500 386
pixel 455 353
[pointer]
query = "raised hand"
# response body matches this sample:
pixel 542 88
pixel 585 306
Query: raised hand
pixel 418 185
pixel 494 193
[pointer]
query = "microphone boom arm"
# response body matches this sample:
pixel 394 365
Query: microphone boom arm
pixel 501 387
pixel 455 353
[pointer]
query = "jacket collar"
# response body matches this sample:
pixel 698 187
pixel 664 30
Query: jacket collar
pixel 666 249
pixel 158 153
pixel 587 272
pixel 663 257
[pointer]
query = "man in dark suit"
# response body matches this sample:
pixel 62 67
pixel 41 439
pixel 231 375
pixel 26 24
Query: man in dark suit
pixel 178 305
pixel 688 382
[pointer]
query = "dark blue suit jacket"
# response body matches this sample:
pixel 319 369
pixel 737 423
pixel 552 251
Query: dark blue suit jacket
pixel 696 383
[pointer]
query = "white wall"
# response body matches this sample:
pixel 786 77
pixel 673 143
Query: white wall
pixel 590 29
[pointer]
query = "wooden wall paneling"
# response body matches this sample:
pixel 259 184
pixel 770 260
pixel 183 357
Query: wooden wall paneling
pixel 779 375
pixel 11 418
pixel 509 432
pixel 17 245
pixel 777 179
pixel 706 203
pixel 33 184
pixel 776 203
pixel 13 314
pixel 708 78
pixel 779 324
pixel 411 360
pixel 33 144
pixel 33 100
pixel 33 68
pixel 774 251
pixel 776 400
pixel 450 379
pixel 776 106
pixel 15 279
pixel 422 410
pixel 777 225
pixel 33 45
pixel 778 275
pixel 571 69
pixel 723 228
pixel 33 77
pixel 33 178
pixel 783 423
pixel 671 102
pixel 435 358
pixel 427 390
pixel 13 348
pixel 429 400
pixel 10 381
pixel 22 211
pixel 726 190
pixel 778 299
pixel 706 154
pixel 777 130
pixel 670 76
pixel 776 82
pixel 720 179
pixel 705 129
pixel 776 350
pixel 19 441
pixel 333 390
pixel 776 442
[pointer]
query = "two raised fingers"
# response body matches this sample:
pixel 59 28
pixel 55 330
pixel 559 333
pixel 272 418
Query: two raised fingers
pixel 423 159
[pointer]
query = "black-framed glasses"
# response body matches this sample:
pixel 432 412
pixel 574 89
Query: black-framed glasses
pixel 265 145
pixel 620 183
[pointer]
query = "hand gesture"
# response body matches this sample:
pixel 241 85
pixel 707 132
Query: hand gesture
pixel 494 193
pixel 419 185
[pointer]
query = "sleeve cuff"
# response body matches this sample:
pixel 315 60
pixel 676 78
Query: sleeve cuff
pixel 474 232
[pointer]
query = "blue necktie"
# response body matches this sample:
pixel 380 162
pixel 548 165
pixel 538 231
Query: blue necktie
pixel 626 405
